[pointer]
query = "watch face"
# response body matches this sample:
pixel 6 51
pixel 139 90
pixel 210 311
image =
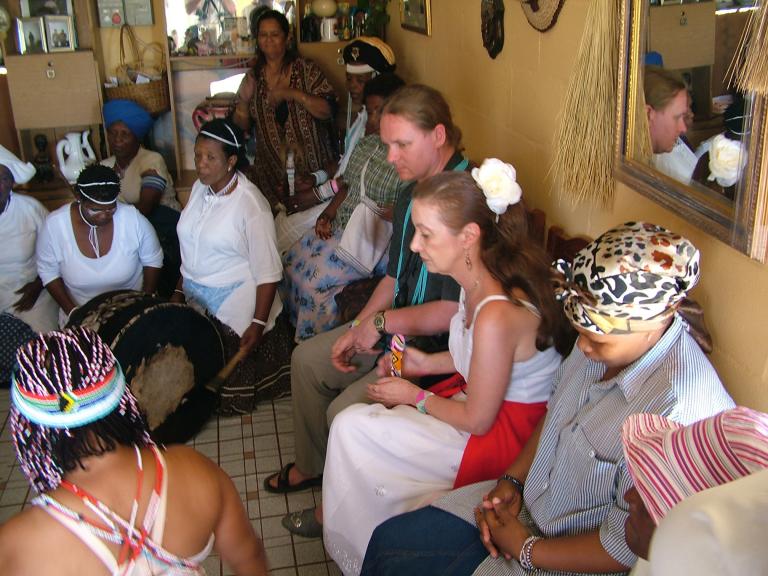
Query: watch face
pixel 378 322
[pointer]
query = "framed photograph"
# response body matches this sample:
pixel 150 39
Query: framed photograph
pixel 416 15
pixel 59 33
pixel 30 8
pixel 30 35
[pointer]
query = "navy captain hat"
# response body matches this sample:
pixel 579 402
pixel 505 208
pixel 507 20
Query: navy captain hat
pixel 367 54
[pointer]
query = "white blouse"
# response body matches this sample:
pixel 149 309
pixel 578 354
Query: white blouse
pixel 134 246
pixel 230 240
pixel 20 224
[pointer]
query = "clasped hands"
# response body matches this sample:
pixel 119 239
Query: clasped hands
pixel 497 519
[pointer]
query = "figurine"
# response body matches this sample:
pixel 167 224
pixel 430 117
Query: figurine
pixel 42 161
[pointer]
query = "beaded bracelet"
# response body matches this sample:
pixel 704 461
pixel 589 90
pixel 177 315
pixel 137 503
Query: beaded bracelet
pixel 421 400
pixel 526 552
pixel 517 484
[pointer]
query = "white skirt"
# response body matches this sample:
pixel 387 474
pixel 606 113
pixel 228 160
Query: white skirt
pixel 381 463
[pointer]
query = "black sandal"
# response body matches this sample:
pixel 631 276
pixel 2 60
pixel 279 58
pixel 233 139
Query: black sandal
pixel 284 487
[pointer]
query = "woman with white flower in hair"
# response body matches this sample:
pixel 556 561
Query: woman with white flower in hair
pixel 506 340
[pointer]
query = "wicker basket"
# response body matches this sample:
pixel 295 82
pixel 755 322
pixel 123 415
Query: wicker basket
pixel 154 95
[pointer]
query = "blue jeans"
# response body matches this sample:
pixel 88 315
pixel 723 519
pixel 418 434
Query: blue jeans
pixel 424 542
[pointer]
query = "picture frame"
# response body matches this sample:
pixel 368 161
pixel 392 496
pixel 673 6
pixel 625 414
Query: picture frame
pixel 59 33
pixel 416 15
pixel 30 36
pixel 33 8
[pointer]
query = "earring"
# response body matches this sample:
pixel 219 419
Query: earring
pixel 467 260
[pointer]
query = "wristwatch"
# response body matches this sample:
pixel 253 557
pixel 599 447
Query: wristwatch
pixel 379 321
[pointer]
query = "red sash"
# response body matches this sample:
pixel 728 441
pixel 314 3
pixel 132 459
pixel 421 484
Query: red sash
pixel 488 456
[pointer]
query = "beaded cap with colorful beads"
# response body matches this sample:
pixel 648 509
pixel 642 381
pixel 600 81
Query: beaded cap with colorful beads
pixel 69 401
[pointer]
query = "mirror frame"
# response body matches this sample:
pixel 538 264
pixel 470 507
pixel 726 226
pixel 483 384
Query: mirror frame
pixel 742 223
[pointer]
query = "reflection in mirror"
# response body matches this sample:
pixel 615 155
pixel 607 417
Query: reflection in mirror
pixel 686 135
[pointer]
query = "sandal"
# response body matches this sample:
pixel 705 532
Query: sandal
pixel 303 523
pixel 284 487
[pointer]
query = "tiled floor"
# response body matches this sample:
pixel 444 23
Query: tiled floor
pixel 248 448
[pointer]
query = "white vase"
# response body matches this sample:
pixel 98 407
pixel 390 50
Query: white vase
pixel 74 153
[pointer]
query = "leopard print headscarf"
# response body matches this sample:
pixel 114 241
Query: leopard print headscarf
pixel 628 280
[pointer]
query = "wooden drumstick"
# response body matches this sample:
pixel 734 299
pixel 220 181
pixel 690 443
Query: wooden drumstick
pixel 215 383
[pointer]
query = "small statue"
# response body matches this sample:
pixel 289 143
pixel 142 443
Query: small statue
pixel 492 25
pixel 42 161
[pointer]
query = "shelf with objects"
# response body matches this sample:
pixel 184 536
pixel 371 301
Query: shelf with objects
pixel 210 47
pixel 56 100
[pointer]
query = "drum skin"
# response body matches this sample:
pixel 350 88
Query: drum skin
pixel 138 327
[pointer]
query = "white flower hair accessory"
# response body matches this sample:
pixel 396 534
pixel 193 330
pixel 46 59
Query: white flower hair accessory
pixel 727 158
pixel 498 181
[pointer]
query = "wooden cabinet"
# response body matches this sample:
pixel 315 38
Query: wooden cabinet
pixel 684 34
pixel 49 90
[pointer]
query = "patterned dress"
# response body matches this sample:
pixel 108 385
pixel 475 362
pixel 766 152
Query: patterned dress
pixel 314 274
pixel 276 131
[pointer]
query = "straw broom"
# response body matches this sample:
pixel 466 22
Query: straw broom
pixel 752 75
pixel 582 168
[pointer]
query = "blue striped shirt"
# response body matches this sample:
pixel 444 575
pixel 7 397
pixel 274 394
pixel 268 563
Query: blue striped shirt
pixel 578 478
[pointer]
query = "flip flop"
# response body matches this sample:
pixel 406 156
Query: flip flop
pixel 303 523
pixel 284 487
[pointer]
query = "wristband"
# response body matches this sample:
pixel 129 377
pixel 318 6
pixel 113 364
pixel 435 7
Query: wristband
pixel 70 312
pixel 526 552
pixel 421 400
pixel 355 322
pixel 179 291
pixel 517 484
pixel 324 191
pixel 259 322
pixel 335 186
pixel 320 177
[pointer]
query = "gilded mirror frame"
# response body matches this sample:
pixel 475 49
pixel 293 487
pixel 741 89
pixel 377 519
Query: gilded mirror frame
pixel 742 223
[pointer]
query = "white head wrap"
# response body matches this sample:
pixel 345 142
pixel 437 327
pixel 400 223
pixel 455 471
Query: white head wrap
pixel 22 171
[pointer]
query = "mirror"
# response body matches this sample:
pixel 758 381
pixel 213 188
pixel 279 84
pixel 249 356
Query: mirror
pixel 702 151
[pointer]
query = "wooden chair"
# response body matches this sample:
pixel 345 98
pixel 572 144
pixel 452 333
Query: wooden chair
pixel 562 246
pixel 537 225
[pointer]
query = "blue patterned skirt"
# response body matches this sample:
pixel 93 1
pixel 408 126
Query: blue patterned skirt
pixel 312 278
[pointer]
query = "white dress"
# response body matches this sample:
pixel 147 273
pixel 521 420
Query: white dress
pixel 20 223
pixel 228 249
pixel 134 247
pixel 384 462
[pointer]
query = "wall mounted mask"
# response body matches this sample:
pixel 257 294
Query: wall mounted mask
pixel 542 14
pixel 492 25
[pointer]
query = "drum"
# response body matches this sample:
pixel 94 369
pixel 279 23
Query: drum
pixel 167 351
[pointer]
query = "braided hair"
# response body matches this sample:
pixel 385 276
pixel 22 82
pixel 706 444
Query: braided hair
pixel 65 365
pixel 99 184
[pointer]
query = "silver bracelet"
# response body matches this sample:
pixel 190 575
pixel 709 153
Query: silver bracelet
pixel 526 552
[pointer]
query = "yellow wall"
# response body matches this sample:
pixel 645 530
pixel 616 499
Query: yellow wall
pixel 508 108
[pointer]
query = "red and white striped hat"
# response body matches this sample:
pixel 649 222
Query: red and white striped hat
pixel 669 462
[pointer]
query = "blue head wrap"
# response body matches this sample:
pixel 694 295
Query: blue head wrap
pixel 129 113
